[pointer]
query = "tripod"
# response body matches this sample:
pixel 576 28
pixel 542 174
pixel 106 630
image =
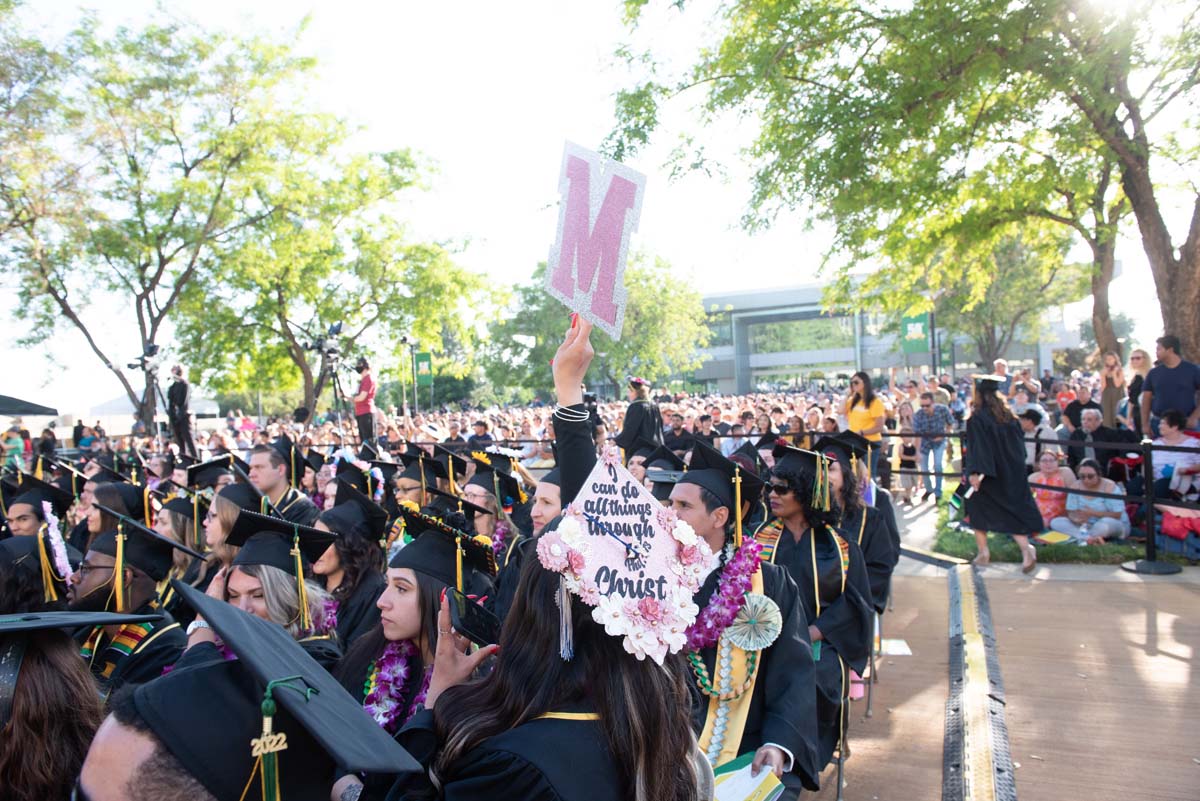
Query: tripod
pixel 339 396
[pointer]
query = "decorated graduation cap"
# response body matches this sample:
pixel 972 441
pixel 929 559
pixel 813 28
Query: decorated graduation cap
pixel 15 642
pixel 45 555
pixel 36 492
pixel 636 562
pixel 136 545
pixel 725 479
pixel 355 514
pixel 443 551
pixel 277 543
pixel 492 474
pixel 791 461
pixel 293 459
pixel 284 726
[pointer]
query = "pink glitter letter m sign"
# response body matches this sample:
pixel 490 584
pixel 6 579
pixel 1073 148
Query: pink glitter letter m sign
pixel 601 203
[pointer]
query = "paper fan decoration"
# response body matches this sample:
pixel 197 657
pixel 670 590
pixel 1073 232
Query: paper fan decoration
pixel 757 625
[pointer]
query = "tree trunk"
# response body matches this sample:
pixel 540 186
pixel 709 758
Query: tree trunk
pixel 1102 275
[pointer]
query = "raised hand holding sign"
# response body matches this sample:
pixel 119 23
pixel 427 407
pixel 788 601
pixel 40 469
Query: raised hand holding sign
pixel 599 210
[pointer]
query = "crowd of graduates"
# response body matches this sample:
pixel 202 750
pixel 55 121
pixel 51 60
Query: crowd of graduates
pixel 374 622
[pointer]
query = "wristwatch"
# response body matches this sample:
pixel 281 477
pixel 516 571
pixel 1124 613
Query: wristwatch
pixel 196 625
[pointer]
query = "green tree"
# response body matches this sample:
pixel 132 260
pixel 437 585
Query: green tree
pixel 1030 277
pixel 903 124
pixel 159 147
pixel 665 328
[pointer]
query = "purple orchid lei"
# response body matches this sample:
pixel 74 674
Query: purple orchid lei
pixel 385 685
pixel 499 538
pixel 722 608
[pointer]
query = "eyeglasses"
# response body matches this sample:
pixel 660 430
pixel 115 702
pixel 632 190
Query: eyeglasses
pixel 779 489
pixel 85 568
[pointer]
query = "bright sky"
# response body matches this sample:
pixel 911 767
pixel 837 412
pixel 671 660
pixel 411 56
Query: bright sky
pixel 488 92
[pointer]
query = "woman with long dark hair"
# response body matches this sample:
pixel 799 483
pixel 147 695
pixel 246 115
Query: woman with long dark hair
pixel 830 572
pixel 600 726
pixel 994 461
pixel 389 667
pixel 351 569
pixel 55 710
pixel 865 415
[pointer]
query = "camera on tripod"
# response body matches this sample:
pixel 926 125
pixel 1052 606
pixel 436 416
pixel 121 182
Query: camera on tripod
pixel 148 361
pixel 327 344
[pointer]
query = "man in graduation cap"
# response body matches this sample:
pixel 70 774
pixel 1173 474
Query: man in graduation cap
pixel 751 694
pixel 25 513
pixel 120 573
pixel 274 471
pixel 270 724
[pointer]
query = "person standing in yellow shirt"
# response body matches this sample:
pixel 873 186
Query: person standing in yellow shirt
pixel 865 414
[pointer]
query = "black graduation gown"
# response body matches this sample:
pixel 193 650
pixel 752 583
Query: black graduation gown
pixel 377 785
pixel 78 537
pixel 782 704
pixel 358 614
pixel 867 529
pixel 295 507
pixel 846 623
pixel 541 760
pixel 883 502
pixel 1003 502
pixel 643 420
pixel 161 646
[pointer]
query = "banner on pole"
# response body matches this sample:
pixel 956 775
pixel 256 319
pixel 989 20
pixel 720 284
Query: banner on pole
pixel 424 370
pixel 914 333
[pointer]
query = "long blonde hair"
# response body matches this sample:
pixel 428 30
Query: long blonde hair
pixel 1146 362
pixel 283 598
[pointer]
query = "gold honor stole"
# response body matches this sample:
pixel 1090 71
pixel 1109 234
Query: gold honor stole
pixel 732 712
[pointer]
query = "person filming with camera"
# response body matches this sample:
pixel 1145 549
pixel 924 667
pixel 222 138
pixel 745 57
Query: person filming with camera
pixel 364 401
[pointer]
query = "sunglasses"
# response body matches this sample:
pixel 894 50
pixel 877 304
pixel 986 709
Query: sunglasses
pixel 779 489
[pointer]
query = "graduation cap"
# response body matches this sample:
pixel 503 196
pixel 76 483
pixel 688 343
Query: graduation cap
pixel 454 503
pixel 354 475
pixel 203 475
pixel 502 484
pixel 35 491
pixel 285 723
pixel 388 469
pixel 137 500
pixel 275 542
pixel 244 496
pixel 422 467
pixel 662 482
pixel 293 459
pixel 194 508
pixel 14 642
pixel 37 557
pixel 70 480
pixel 553 477
pixel 108 474
pixel 355 514
pixel 848 448
pixel 732 485
pixel 316 460
pixel 441 551
pixel 988 382
pixel 750 453
pixel 136 545
pixel 663 458
pixel 643 448
pixel 368 452
pixel 811 465
pixel 454 465
pixel 766 441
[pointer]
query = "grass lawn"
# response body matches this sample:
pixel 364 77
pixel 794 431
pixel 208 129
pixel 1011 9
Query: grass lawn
pixel 954 541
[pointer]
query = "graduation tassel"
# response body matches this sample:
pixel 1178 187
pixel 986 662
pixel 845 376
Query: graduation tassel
pixel 37 471
pixel 421 470
pixel 737 507
pixel 262 505
pixel 147 510
pixel 119 568
pixel 196 521
pixel 301 587
pixel 265 747
pixel 49 594
pixel 566 633
pixel 458 563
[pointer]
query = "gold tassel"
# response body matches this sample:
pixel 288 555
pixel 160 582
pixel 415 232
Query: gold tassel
pixel 37 471
pixel 737 504
pixel 458 563
pixel 147 510
pixel 196 521
pixel 49 594
pixel 421 470
pixel 301 588
pixel 119 568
